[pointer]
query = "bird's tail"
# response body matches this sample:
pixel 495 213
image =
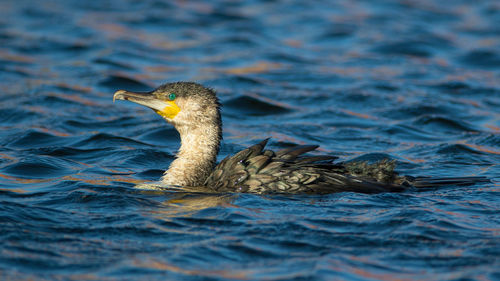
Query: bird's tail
pixel 430 182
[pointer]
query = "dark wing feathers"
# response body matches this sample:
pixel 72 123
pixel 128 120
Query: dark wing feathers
pixel 263 171
pixel 250 152
pixel 313 159
pixel 294 152
pixel 257 170
pixel 256 163
pixel 231 171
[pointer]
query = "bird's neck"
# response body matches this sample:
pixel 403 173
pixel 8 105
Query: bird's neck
pixel 196 157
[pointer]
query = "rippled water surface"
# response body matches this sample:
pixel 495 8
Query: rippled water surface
pixel 415 81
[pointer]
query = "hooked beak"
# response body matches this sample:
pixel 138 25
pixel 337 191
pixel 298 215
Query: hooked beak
pixel 167 109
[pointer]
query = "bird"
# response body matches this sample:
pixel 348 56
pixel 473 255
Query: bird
pixel 194 111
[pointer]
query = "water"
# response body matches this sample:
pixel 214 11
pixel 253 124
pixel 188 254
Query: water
pixel 415 81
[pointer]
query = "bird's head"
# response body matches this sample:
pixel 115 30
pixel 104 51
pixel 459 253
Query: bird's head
pixel 183 104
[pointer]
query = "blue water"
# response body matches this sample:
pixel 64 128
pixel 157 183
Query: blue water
pixel 415 81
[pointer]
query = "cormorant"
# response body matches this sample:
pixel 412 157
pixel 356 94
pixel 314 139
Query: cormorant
pixel 194 111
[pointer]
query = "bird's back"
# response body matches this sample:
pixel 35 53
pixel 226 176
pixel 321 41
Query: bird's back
pixel 257 170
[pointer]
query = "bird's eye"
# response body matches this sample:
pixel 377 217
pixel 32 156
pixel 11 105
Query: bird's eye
pixel 171 96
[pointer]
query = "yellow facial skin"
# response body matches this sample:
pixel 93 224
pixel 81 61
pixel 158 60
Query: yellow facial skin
pixel 169 111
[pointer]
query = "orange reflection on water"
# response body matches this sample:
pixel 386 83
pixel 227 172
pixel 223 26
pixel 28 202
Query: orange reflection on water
pixel 368 273
pixel 74 98
pixel 74 87
pixel 260 67
pixel 52 132
pixel 293 43
pixel 481 147
pixel 24 181
pixel 161 69
pixel 5 156
pixel 91 179
pixel 361 115
pixel 230 273
pixel 16 57
pixel 100 180
pixel 493 127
